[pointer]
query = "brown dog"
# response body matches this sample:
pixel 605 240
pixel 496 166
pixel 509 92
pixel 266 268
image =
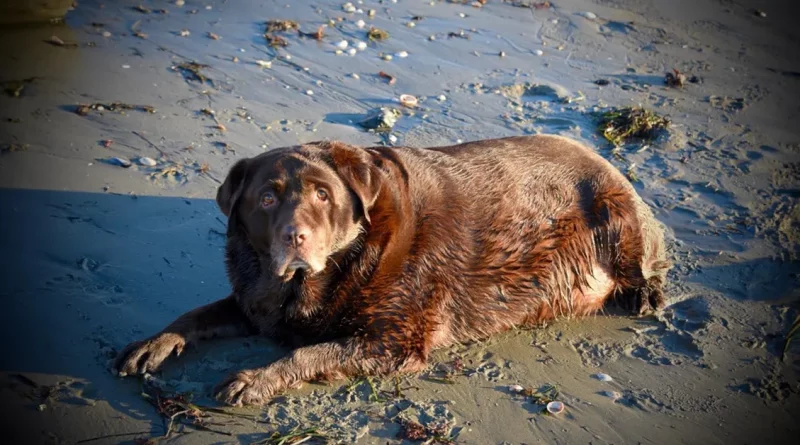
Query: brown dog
pixel 366 259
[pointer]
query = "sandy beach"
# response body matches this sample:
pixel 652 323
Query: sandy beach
pixel 118 125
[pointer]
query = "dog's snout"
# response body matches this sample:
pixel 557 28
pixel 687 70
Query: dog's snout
pixel 295 235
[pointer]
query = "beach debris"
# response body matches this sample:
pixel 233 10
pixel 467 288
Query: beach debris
pixel 555 407
pixel 603 377
pixel 212 36
pixel 408 100
pixel 184 33
pixel 294 436
pixel 12 147
pixel 342 44
pixel 276 41
pixel 147 162
pixel 282 25
pixel 83 109
pixel 263 63
pixel 13 88
pixel 602 82
pixel 442 98
pixel 193 71
pixel 316 35
pixel 55 40
pixel 760 13
pixel 352 51
pixel 360 24
pixel 433 434
pixel 377 34
pixel 142 9
pixel 119 162
pixel 621 124
pixel 384 75
pixel 348 7
pixel 539 52
pixel 675 79
pixel 588 15
pixel 460 34
pixel 381 120
pixel 355 76
pixel 107 143
pixel 528 4
pixel 359 45
pixel 309 92
pixel 386 57
pixel 401 54
pixel 180 3
pixel 728 104
pixel 792 331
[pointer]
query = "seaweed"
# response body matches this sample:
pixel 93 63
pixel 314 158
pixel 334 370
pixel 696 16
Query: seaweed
pixel 621 124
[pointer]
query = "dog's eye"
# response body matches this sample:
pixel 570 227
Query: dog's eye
pixel 322 195
pixel 267 200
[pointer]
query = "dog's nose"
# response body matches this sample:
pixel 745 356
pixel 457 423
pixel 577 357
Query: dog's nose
pixel 294 235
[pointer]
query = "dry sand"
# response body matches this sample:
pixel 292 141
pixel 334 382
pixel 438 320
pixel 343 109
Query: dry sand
pixel 96 255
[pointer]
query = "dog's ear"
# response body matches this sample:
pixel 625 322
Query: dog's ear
pixel 358 171
pixel 230 190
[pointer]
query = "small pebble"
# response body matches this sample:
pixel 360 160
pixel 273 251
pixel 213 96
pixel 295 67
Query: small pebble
pixel 611 394
pixel 603 377
pixel 126 66
pixel 392 138
pixel 342 44
pixel 179 2
pixel 502 54
pixel 411 24
pixel 361 46
pixel 42 407
pixel 360 24
pixel 539 52
pixel 588 15
pixel 371 13
pixel 442 98
pixel 338 52
pixel 402 54
pixel 352 51
pixel 386 57
pixel 184 33
pixel 106 34
pixel 309 93
pixel 355 76
pixel 348 7
pixel 554 21
pixel 264 63
pixel 515 388
pixel 149 162
pixel 462 15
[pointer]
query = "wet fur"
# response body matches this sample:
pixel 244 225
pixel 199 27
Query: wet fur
pixel 452 244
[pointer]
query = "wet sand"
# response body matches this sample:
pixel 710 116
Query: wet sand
pixel 98 255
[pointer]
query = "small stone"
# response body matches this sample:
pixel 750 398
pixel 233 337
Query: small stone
pixel 179 3
pixel 184 33
pixel 355 76
pixel 442 98
pixel 588 15
pixel 371 13
pixel 462 15
pixel 126 66
pixel 338 52
pixel 392 138
pixel 106 34
pixel 432 38
pixel 309 93
pixel 386 57
pixel 42 407
pixel 402 54
pixel 361 46
pixel 342 44
pixel 516 388
pixel 360 24
pixel 502 54
pixel 264 63
pixel 611 394
pixel 121 162
pixel 411 24
pixel 348 7
pixel 352 51
pixel 539 52
pixel 148 162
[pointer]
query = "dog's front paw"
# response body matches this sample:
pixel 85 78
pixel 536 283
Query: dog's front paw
pixel 249 387
pixel 148 355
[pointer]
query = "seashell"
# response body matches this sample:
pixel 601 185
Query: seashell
pixel 603 377
pixel 588 15
pixel 555 407
pixel 121 162
pixel 309 92
pixel 264 63
pixel 539 52
pixel 348 7
pixel 360 24
pixel 408 100
pixel 442 98
pixel 148 162
pixel 352 51
pixel 516 388
pixel 361 46
pixel 402 54
pixel 342 44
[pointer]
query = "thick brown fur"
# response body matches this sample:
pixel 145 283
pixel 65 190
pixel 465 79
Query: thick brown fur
pixel 406 250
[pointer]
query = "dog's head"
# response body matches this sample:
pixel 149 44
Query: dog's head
pixel 301 205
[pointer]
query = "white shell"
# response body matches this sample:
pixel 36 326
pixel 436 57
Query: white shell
pixel 555 407
pixel 516 388
pixel 309 92
pixel 348 7
pixel 342 44
pixel 539 52
pixel 264 63
pixel 360 24
pixel 149 162
pixel 408 100
pixel 603 377
pixel 402 54
pixel 355 76
pixel 122 162
pixel 588 15
pixel 442 97
pixel 352 51
pixel 361 46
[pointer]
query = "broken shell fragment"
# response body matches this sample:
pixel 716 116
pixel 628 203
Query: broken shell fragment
pixel 408 100
pixel 149 162
pixel 555 407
